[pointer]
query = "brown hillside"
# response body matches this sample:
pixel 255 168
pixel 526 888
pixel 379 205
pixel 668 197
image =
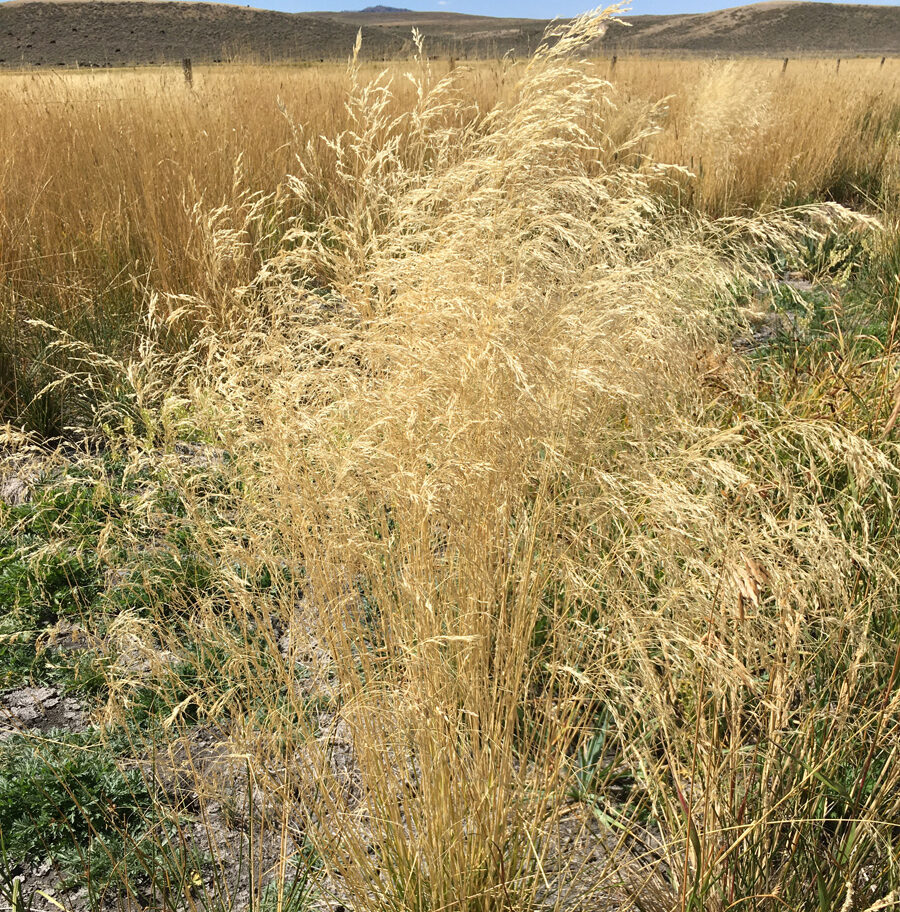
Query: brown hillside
pixel 769 28
pixel 119 32
pixel 129 32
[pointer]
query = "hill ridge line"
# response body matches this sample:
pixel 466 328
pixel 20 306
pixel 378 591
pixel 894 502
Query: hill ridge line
pixel 51 33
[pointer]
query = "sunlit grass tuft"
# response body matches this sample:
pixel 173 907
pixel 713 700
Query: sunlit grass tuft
pixel 521 587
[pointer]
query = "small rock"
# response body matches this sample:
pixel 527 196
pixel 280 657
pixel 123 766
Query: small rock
pixel 68 637
pixel 200 455
pixel 766 328
pixel 115 577
pixel 799 284
pixel 14 492
pixel 41 708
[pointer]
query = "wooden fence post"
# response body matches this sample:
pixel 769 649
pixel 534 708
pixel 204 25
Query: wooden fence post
pixel 188 71
pixel 784 66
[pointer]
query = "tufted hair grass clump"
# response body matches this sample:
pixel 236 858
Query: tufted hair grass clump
pixel 526 590
pixel 591 618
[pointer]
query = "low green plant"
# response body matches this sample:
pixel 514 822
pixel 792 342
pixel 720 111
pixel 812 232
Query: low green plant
pixel 94 543
pixel 71 798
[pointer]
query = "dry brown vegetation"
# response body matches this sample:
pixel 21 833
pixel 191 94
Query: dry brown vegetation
pixel 521 587
pixel 116 183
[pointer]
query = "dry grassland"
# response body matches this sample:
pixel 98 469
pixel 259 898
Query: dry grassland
pixel 483 490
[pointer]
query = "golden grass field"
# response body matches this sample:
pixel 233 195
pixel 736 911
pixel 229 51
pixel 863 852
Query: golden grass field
pixel 108 179
pixel 452 489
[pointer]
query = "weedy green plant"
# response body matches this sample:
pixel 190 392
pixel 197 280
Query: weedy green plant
pixel 69 556
pixel 66 798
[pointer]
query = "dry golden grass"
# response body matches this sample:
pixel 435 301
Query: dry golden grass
pixel 110 182
pixel 548 556
pixel 110 167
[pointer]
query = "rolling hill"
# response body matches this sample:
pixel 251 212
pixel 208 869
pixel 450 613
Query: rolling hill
pixel 51 33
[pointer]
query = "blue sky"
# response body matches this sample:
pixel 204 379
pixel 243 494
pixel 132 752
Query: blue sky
pixel 540 9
